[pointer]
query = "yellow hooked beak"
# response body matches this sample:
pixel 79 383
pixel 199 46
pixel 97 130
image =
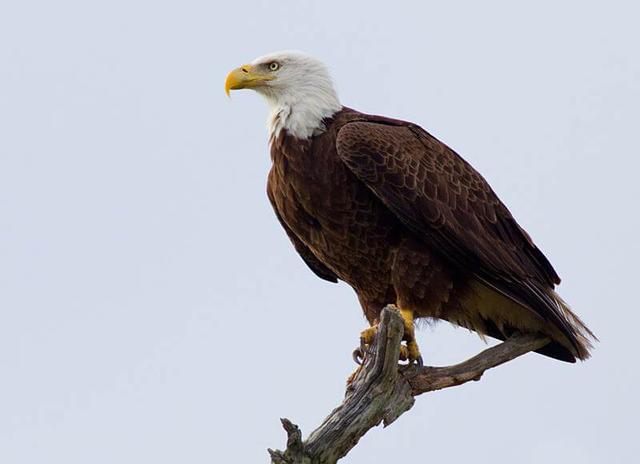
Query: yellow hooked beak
pixel 245 77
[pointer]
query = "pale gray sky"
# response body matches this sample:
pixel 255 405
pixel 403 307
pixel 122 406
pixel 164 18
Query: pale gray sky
pixel 151 308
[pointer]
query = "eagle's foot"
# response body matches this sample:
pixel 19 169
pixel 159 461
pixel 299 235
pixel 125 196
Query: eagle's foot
pixel 368 335
pixel 366 339
pixel 410 352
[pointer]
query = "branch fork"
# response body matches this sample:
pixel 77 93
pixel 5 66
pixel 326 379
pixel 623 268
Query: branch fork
pixel 382 390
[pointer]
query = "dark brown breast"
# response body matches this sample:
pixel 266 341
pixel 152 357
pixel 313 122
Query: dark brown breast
pixel 330 211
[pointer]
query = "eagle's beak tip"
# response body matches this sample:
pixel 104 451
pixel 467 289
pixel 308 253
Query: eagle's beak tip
pixel 228 83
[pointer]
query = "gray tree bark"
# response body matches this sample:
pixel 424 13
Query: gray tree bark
pixel 382 390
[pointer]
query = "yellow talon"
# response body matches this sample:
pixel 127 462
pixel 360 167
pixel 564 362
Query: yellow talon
pixel 368 335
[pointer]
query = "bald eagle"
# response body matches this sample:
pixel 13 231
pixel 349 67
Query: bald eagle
pixel 386 207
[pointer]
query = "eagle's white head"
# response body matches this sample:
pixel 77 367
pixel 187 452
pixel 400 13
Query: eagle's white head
pixel 297 87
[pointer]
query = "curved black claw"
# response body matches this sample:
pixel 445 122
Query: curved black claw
pixel 358 356
pixel 404 356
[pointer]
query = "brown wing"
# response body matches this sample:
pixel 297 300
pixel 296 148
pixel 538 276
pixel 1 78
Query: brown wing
pixel 305 253
pixel 441 198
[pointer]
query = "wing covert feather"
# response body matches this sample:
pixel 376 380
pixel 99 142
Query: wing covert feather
pixel 441 197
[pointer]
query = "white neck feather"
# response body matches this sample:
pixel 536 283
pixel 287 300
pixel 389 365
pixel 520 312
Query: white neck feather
pixel 301 113
pixel 300 97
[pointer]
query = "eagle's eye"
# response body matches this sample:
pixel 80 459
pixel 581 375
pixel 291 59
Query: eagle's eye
pixel 273 66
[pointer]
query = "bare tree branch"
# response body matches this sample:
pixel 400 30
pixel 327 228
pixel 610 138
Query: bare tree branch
pixel 382 391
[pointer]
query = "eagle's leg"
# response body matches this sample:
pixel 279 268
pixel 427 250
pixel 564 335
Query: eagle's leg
pixel 411 351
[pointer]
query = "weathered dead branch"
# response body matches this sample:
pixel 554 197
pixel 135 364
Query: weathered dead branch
pixel 383 390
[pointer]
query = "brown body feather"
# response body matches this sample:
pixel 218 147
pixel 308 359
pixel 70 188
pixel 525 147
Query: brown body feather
pixel 384 206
